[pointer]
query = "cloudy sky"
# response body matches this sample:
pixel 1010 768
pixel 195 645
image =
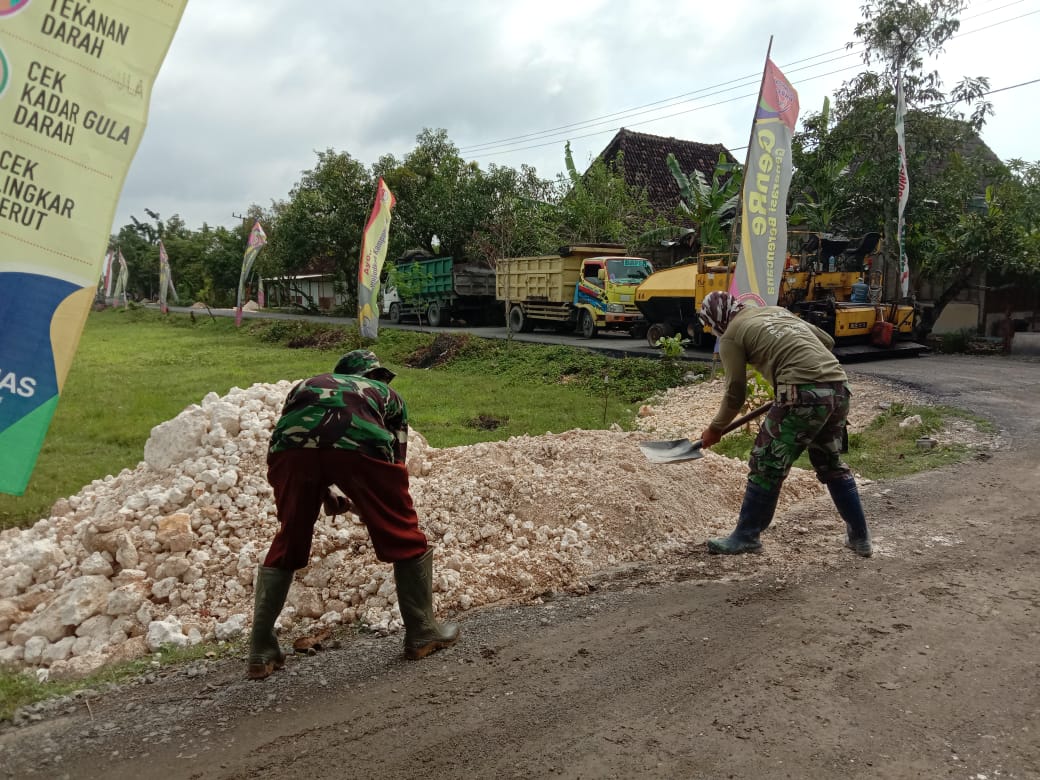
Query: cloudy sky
pixel 249 91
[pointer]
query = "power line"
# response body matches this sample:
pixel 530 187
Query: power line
pixel 749 80
pixel 948 102
pixel 508 145
pixel 614 128
pixel 1013 86
pixel 684 97
pixel 648 121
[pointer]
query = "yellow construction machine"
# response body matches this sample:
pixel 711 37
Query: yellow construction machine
pixel 830 282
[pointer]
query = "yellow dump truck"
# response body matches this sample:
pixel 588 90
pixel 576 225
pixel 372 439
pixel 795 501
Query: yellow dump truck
pixel 588 287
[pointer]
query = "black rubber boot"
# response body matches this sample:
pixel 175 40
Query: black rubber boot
pixel 265 654
pixel 422 633
pixel 756 513
pixel 845 495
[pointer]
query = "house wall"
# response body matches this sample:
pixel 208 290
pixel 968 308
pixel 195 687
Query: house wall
pixel 1014 295
pixel 321 291
pixel 956 317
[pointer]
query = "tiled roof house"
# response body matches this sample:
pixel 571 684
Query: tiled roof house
pixel 644 163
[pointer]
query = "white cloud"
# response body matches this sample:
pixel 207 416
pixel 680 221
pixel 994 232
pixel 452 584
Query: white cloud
pixel 249 91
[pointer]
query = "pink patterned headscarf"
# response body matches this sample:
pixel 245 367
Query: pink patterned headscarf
pixel 717 309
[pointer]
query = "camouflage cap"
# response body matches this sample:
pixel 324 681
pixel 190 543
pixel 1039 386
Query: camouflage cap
pixel 363 362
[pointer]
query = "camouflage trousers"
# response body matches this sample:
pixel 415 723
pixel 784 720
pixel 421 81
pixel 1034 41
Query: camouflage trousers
pixel 806 416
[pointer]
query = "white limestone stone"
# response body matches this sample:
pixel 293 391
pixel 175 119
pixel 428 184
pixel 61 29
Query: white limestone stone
pixel 34 647
pixel 96 563
pixel 165 632
pixel 175 440
pixel 58 651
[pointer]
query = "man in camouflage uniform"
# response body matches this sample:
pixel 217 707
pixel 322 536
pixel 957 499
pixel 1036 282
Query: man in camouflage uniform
pixel 347 429
pixel 810 412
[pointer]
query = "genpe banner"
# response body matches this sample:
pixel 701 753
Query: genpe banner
pixel 767 177
pixel 75 84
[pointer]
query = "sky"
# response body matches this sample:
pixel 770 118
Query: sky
pixel 249 92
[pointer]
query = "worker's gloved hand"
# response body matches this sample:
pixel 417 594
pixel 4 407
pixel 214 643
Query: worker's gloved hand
pixel 336 504
pixel 709 437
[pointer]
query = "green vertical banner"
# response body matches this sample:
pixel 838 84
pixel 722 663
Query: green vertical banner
pixel 75 85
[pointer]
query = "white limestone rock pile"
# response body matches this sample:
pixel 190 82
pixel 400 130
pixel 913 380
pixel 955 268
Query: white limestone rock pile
pixel 166 553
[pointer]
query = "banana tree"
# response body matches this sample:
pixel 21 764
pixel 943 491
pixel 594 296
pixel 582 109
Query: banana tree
pixel 820 189
pixel 710 204
pixel 822 196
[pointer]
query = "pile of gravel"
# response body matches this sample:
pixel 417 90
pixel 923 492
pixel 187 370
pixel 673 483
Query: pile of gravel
pixel 166 553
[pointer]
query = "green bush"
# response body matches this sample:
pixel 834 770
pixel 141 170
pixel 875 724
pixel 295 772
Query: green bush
pixel 957 341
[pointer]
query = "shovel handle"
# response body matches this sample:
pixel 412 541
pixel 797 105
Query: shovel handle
pixel 741 420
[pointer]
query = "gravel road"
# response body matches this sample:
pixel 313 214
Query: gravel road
pixel 803 662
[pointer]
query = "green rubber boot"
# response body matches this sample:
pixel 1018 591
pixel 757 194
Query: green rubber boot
pixel 422 633
pixel 756 513
pixel 845 496
pixel 265 654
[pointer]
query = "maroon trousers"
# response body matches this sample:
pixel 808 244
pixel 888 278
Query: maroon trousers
pixel 378 490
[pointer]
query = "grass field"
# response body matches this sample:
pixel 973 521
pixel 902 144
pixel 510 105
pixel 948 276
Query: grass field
pixel 136 368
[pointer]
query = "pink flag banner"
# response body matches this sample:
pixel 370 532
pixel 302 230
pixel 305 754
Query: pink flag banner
pixel 767 177
pixel 166 287
pixel 373 254
pixel 122 280
pixel 109 260
pixel 257 240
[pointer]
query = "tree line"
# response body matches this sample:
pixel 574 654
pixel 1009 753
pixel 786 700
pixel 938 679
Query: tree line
pixel 968 211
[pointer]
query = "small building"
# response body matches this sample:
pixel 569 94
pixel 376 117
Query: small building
pixel 304 290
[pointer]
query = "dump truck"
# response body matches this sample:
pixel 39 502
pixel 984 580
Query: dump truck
pixel 584 287
pixel 439 289
pixel 827 281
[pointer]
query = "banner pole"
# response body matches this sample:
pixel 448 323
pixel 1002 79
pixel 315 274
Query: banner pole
pixel 747 162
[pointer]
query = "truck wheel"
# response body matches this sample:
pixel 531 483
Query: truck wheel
pixel 658 331
pixel 434 315
pixel 588 325
pixel 639 331
pixel 395 313
pixel 518 321
pixel 697 335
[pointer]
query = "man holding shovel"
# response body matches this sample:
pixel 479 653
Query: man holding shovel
pixel 346 429
pixel 810 412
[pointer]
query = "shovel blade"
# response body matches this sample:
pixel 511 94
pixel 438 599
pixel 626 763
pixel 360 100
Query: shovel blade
pixel 672 451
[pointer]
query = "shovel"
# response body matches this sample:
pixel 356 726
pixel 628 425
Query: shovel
pixel 676 450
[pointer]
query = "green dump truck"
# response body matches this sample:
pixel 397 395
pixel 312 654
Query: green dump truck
pixel 439 290
pixel 585 287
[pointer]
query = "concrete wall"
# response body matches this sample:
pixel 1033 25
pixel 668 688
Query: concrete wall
pixel 1026 344
pixel 957 316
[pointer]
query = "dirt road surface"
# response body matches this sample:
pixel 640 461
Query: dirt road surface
pixel 918 663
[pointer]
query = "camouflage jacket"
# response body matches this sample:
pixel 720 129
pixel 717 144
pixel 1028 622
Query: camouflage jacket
pixel 343 412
